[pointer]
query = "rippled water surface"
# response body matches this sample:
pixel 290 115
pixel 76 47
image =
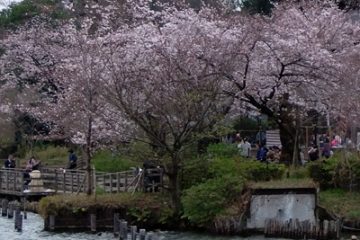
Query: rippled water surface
pixel 33 230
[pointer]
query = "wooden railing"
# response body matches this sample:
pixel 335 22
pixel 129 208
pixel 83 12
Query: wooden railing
pixel 130 181
pixel 49 180
pixel 58 181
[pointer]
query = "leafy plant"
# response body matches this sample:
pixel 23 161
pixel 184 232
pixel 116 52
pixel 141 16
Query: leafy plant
pixel 203 202
pixel 222 150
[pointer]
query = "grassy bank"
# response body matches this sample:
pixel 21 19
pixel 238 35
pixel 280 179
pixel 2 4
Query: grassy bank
pixel 152 210
pixel 342 203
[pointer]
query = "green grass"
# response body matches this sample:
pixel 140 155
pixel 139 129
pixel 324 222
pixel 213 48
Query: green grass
pixel 284 183
pixel 50 155
pixel 139 206
pixel 105 161
pixel 342 203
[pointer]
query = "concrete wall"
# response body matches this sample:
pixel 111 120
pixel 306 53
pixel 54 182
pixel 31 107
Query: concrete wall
pixel 282 207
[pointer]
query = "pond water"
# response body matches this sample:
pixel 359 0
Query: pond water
pixel 33 230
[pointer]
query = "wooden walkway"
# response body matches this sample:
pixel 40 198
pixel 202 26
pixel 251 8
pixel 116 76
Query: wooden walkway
pixel 49 181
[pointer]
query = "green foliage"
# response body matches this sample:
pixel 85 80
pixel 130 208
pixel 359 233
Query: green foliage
pixel 50 155
pixel 221 166
pixel 222 150
pixel 258 6
pixel 322 173
pixel 244 123
pixel 139 207
pixel 194 171
pixel 299 173
pixel 203 202
pixel 18 12
pixel 341 170
pixel 342 203
pixel 106 161
pixel 257 171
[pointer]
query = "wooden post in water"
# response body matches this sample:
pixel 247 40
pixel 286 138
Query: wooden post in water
pixel 93 222
pixel 11 210
pixel 18 222
pixel 123 230
pixel 18 218
pixel 338 229
pixel 142 234
pixel 116 224
pixel 23 200
pixel 133 231
pixel 52 222
pixel 4 208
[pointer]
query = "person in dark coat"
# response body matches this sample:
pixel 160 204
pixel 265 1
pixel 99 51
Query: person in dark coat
pixel 72 159
pixel 10 162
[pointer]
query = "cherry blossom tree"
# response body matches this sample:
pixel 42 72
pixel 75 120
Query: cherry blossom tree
pixel 161 79
pixel 294 63
pixel 65 64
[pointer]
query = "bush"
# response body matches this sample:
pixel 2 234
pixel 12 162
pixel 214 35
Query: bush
pixel 194 171
pixel 203 202
pixel 321 174
pixel 341 170
pixel 254 170
pixel 223 150
pixel 154 209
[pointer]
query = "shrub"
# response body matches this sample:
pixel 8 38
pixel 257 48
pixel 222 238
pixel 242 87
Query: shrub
pixel 203 202
pixel 254 170
pixel 138 207
pixel 222 150
pixel 341 170
pixel 194 171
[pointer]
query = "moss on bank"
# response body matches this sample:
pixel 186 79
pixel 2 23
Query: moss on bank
pixel 284 183
pixel 342 203
pixel 154 209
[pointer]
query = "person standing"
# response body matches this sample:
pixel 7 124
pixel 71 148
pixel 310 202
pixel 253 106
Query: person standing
pixel 10 162
pixel 72 159
pixel 245 148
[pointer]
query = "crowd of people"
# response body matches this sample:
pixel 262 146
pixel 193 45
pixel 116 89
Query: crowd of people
pixel 323 146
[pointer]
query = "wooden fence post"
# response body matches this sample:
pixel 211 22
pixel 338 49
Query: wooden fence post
pixel 11 210
pixel 116 224
pixel 133 231
pixel 123 230
pixel 126 182
pixel 93 222
pixel 18 222
pixel 4 208
pixel 52 222
pixel 56 181
pixel 142 234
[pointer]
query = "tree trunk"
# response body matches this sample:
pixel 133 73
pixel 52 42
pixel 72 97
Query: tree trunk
pixel 174 188
pixel 88 158
pixel 289 143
